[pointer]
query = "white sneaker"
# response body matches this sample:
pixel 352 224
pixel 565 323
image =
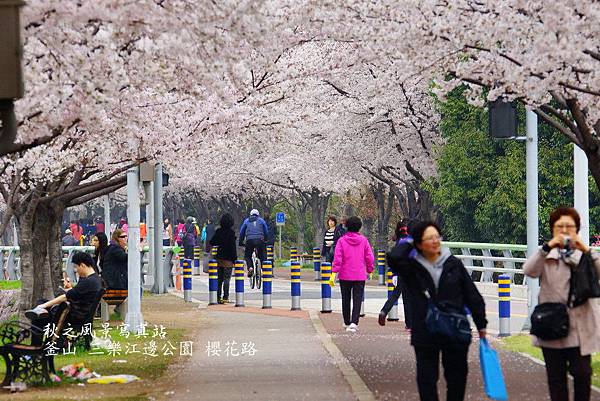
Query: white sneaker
pixel 36 313
pixel 353 326
pixel 351 329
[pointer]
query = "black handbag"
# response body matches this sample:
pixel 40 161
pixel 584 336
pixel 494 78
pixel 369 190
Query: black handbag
pixel 584 281
pixel 454 326
pixel 550 321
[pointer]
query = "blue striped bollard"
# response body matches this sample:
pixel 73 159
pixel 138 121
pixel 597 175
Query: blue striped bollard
pixel 271 257
pixel 295 285
pixel 213 251
pixel 293 254
pixel 317 263
pixel 213 282
pixel 381 266
pixel 393 315
pixel 239 283
pixel 267 282
pixel 197 259
pixel 325 287
pixel 504 304
pixel 187 280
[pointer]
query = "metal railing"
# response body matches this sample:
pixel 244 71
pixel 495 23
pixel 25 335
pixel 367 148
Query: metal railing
pixel 10 261
pixel 487 261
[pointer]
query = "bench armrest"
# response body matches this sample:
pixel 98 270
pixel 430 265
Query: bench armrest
pixel 18 332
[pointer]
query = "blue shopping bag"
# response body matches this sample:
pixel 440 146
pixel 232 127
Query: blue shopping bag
pixel 493 381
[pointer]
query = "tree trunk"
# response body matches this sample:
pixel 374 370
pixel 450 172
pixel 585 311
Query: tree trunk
pixel 385 203
pixel 301 222
pixel 318 204
pixel 35 275
pixel 55 255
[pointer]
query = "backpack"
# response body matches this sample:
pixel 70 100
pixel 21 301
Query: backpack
pixel 181 233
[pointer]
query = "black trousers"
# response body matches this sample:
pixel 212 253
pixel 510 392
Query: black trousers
pixel 387 307
pixel 259 246
pixel 351 290
pixel 188 251
pixel 558 362
pixel 223 279
pixel 454 361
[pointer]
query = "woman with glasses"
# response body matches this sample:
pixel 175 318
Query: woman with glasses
pixel 553 264
pixel 430 271
pixel 114 269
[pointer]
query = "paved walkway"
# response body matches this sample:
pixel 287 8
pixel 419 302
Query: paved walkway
pixel 289 362
pixel 306 355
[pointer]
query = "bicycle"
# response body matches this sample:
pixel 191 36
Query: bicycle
pixel 256 278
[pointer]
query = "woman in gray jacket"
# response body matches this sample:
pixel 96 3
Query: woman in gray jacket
pixel 553 264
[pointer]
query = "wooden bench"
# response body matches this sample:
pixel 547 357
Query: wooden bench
pixel 113 297
pixel 27 353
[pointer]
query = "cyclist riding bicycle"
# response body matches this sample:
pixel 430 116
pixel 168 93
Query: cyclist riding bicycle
pixel 254 230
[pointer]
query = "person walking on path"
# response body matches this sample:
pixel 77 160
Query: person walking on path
pixel 403 239
pixel 179 232
pixel 328 239
pixel 188 238
pixel 207 233
pixel 553 264
pixel 77 230
pixel 68 239
pixel 224 238
pixel 167 233
pixel 353 261
pixel 432 274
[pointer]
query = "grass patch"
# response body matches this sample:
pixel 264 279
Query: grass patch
pixel 10 284
pixel 522 343
pixel 136 350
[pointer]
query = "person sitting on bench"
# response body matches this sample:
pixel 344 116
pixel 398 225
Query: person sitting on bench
pixel 81 297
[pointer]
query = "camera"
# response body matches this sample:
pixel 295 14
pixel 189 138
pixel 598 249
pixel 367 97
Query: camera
pixel 566 243
pixel 566 246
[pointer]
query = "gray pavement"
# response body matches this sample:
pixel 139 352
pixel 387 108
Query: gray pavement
pixel 375 297
pixel 289 361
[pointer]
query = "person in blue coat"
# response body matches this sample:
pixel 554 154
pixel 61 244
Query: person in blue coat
pixel 254 231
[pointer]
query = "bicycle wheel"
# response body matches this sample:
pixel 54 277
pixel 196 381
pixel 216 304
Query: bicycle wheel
pixel 258 273
pixel 250 279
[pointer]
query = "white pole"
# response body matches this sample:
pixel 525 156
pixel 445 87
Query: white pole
pixel 532 207
pixel 280 255
pixel 107 229
pixel 134 318
pixel 159 274
pixel 582 192
pixel 149 194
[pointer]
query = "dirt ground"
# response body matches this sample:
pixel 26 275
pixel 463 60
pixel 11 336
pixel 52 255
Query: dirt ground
pixel 165 309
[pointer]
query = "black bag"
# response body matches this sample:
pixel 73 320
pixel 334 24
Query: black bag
pixel 550 321
pixel 584 281
pixel 454 326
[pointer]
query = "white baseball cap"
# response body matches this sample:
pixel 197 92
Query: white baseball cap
pixel 254 212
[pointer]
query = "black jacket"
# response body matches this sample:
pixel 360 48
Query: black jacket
pixel 455 291
pixel 224 238
pixel 114 267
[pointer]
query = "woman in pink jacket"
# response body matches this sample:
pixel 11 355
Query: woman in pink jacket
pixel 352 261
